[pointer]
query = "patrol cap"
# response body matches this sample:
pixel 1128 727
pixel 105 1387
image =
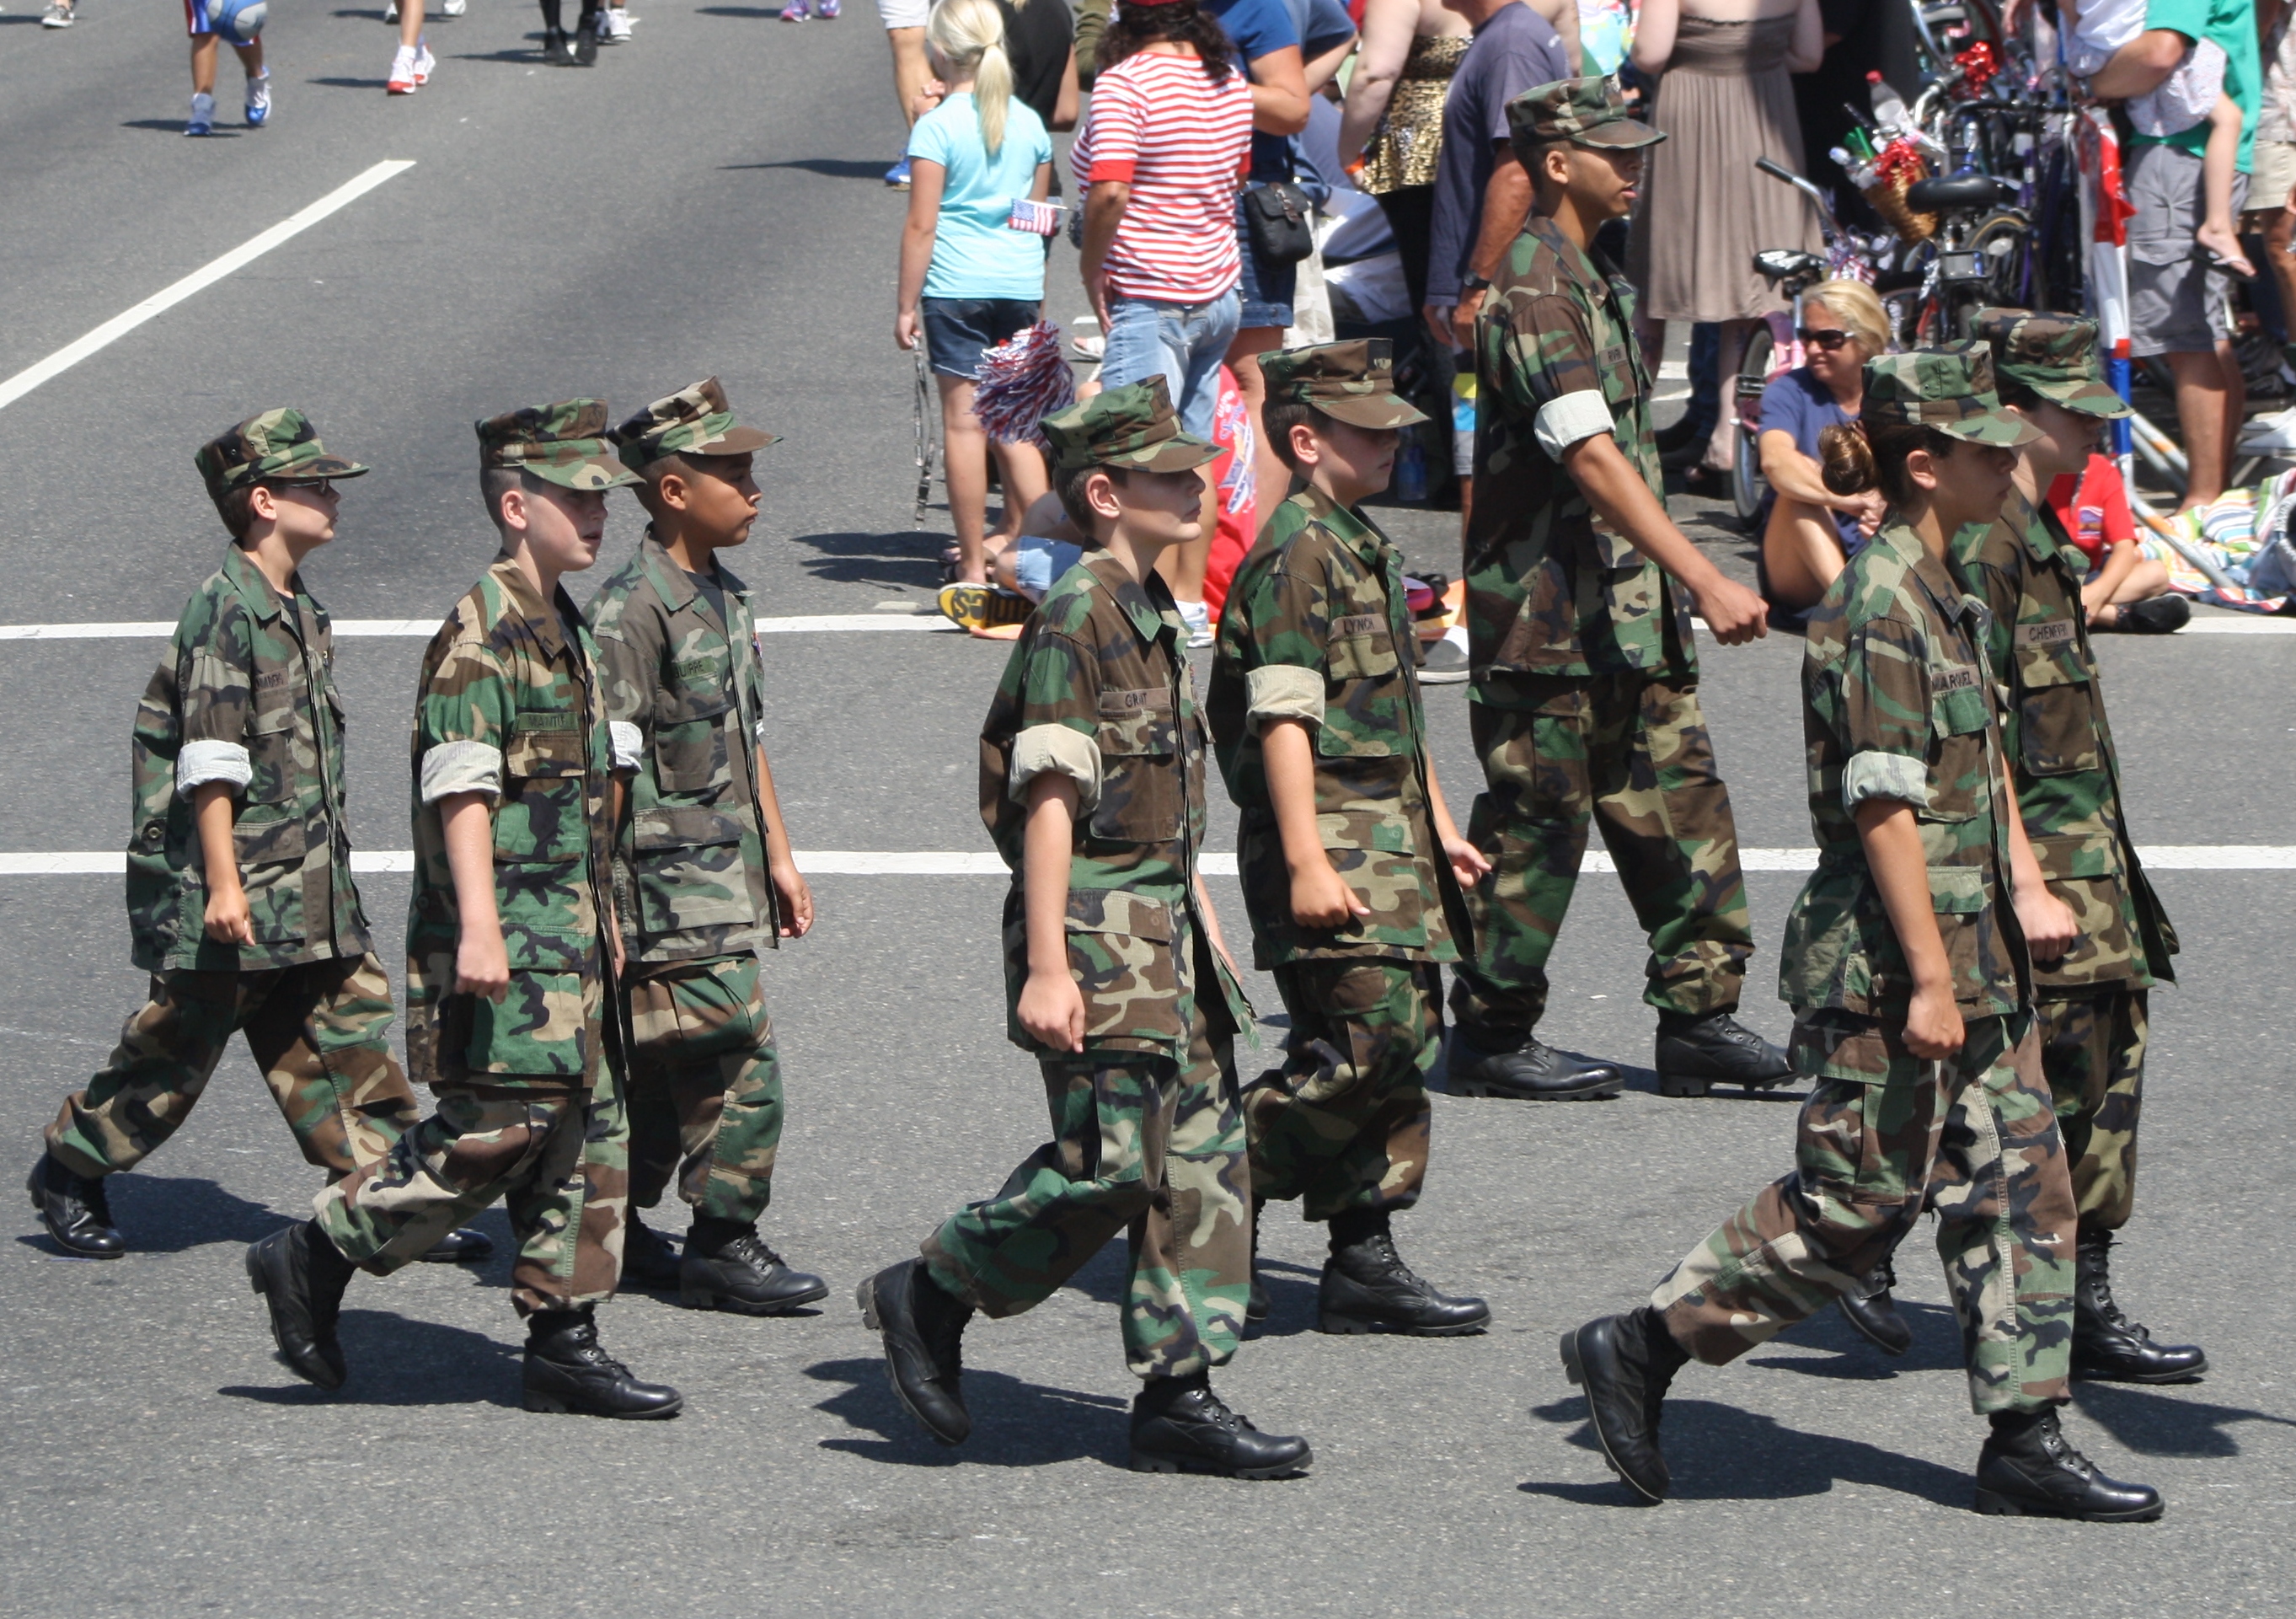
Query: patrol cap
pixel 696 421
pixel 1128 427
pixel 1949 389
pixel 279 445
pixel 2054 355
pixel 1352 381
pixel 565 444
pixel 1584 112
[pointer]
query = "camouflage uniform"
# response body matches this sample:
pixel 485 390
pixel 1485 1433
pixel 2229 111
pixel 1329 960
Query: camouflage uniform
pixel 1584 703
pixel 1146 1131
pixel 528 1089
pixel 684 692
pixel 246 696
pixel 1898 704
pixel 1317 630
pixel 2091 1004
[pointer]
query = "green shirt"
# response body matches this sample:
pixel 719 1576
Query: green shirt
pixel 2231 24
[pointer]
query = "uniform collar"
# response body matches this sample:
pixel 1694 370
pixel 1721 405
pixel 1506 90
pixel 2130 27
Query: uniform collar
pixel 1147 605
pixel 253 587
pixel 1935 577
pixel 547 619
pixel 673 583
pixel 2035 527
pixel 1358 533
pixel 1577 263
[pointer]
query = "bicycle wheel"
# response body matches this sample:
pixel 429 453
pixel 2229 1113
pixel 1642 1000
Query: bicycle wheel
pixel 1747 485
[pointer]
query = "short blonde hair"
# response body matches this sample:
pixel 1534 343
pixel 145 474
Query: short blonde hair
pixel 1860 312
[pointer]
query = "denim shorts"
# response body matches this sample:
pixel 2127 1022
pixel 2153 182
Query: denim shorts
pixel 1185 342
pixel 958 329
pixel 1266 288
pixel 1038 562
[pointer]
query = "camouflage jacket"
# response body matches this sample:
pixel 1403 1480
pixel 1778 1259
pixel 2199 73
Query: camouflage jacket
pixel 1551 588
pixel 509 706
pixel 1097 689
pixel 685 693
pixel 1317 629
pixel 1897 702
pixel 2060 748
pixel 249 681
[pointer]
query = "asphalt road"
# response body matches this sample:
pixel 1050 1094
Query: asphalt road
pixel 705 201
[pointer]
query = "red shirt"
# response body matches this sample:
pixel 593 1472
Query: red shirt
pixel 1181 141
pixel 2095 510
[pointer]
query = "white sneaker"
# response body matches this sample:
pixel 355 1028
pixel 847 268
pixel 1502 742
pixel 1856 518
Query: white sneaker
pixel 456 8
pixel 617 23
pixel 423 62
pixel 202 119
pixel 401 80
pixel 2270 435
pixel 258 100
pixel 390 11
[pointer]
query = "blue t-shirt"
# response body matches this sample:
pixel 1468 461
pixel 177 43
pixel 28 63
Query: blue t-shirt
pixel 1257 27
pixel 1797 403
pixel 976 254
pixel 1516 50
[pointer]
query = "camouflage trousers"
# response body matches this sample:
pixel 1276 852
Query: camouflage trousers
pixel 1632 755
pixel 2092 1052
pixel 1140 1144
pixel 1884 1131
pixel 557 1159
pixel 320 1033
pixel 1343 1124
pixel 705 1089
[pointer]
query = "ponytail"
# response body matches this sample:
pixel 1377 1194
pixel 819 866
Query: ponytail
pixel 969 37
pixel 992 95
pixel 1847 460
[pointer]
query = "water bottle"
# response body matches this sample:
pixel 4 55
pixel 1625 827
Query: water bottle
pixel 1889 106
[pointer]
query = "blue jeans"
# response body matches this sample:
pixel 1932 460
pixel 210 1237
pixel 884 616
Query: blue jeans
pixel 1185 342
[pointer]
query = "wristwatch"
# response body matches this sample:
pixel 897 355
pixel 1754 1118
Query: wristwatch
pixel 1475 283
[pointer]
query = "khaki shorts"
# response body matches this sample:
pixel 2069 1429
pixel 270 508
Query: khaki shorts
pixel 2178 303
pixel 2275 176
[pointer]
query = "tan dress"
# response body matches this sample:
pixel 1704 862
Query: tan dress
pixel 1705 210
pixel 1403 148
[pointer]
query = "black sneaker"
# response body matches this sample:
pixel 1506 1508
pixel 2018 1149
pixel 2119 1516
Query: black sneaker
pixel 1443 662
pixel 76 1210
pixel 734 1270
pixel 1180 1426
pixel 2156 615
pixel 568 1372
pixel 924 1329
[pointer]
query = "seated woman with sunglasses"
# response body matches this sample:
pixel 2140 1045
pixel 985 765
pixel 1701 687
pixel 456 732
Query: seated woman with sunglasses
pixel 1809 533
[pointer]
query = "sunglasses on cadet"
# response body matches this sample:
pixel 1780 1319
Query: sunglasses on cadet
pixel 1829 340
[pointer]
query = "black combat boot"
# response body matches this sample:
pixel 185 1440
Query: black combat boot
pixel 567 1371
pixel 301 1277
pixel 460 1247
pixel 1256 1305
pixel 1714 1048
pixel 2108 1347
pixel 1366 1287
pixel 2029 1469
pixel 727 1266
pixel 1869 1308
pixel 558 50
pixel 1625 1363
pixel 649 1259
pixel 1180 1426
pixel 1520 1069
pixel 924 1329
pixel 75 1209
pixel 586 38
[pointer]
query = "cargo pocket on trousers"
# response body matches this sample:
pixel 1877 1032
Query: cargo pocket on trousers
pixel 537 1028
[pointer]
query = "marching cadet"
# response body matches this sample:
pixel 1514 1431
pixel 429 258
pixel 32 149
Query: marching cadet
pixel 2091 1004
pixel 702 869
pixel 241 902
pixel 1584 695
pixel 1906 964
pixel 1092 785
pixel 1351 864
pixel 511 952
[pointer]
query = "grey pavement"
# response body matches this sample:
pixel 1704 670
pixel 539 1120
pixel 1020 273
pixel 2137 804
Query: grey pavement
pixel 705 201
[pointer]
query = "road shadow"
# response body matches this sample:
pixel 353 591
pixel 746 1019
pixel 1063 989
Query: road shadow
pixel 398 1362
pixel 834 169
pixel 175 127
pixel 1936 1346
pixel 774 12
pixel 1292 1291
pixel 170 1214
pixel 351 83
pixel 532 58
pixel 910 560
pixel 1014 1424
pixel 1717 1452
pixel 2159 1422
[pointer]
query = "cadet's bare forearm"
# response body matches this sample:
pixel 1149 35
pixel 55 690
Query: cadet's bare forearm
pixel 769 806
pixel 1290 759
pixel 1901 876
pixel 213 811
pixel 1046 850
pixel 467 820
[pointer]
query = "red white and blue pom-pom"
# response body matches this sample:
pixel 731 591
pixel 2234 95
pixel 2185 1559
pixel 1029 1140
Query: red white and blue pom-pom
pixel 1020 383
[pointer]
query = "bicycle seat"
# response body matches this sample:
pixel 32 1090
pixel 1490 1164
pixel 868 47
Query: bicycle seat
pixel 1775 264
pixel 1960 194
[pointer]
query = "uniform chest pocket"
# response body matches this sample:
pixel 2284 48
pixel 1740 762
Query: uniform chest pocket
pixel 1959 718
pixel 271 746
pixel 1616 367
pixel 1142 774
pixel 543 815
pixel 2056 706
pixel 690 753
pixel 1361 655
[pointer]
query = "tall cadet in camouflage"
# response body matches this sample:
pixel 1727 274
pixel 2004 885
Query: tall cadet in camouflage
pixel 1585 698
pixel 512 953
pixel 240 899
pixel 702 870
pixel 1351 864
pixel 1092 785
pixel 1905 962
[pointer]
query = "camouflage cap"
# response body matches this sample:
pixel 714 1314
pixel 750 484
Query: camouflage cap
pixel 280 444
pixel 2054 355
pixel 1584 112
pixel 1132 426
pixel 565 444
pixel 697 420
pixel 1949 389
pixel 1352 383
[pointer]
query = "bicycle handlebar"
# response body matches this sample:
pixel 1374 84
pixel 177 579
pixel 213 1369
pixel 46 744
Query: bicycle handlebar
pixel 1828 227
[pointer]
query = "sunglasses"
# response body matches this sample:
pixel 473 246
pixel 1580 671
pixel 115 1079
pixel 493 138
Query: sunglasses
pixel 317 486
pixel 1829 340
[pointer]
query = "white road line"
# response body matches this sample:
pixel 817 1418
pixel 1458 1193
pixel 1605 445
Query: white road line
pixel 154 630
pixel 71 354
pixel 952 863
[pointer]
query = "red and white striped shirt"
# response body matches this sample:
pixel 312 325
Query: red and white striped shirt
pixel 1182 143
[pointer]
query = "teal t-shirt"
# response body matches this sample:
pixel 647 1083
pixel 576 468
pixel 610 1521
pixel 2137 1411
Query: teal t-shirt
pixel 976 254
pixel 2231 24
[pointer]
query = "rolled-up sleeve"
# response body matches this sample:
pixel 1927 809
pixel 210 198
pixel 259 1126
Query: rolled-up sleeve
pixel 1885 710
pixel 1055 750
pixel 462 723
pixel 1564 422
pixel 201 763
pixel 461 766
pixel 1282 691
pixel 1894 775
